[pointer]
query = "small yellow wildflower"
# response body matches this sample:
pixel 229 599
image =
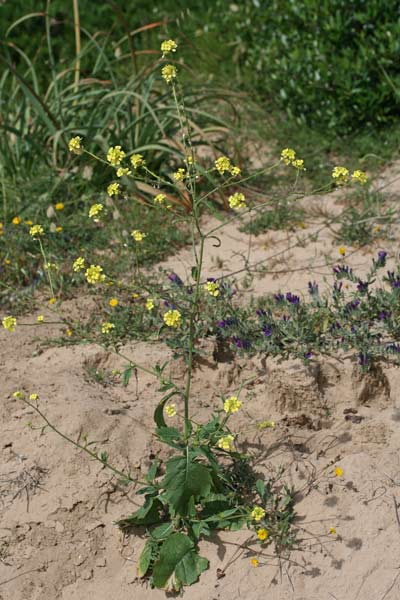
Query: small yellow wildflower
pixel 168 73
pixel 113 302
pixel 7 261
pixel 299 164
pixel 138 236
pixel 29 222
pixel 288 155
pixel 107 327
pixel 59 229
pixel 69 332
pixel 223 164
pixel 74 145
pixel 115 156
pixel 342 250
pixel 262 534
pixel 33 397
pixel 170 410
pixel 36 231
pixel 9 323
pixel 94 274
pixel 16 221
pixel 338 472
pixel 123 171
pixel 135 295
pixel 235 171
pixel 254 562
pixel 340 175
pixel 179 175
pixel 173 318
pixel 137 161
pixel 40 318
pixel 377 228
pixel 95 210
pixel 79 264
pixel 212 287
pixel 168 46
pixel 59 206
pixel 257 513
pixel 332 531
pixel 237 201
pixel 52 301
pixel 18 394
pixel 149 304
pixel 113 189
pixel 266 424
pixel 359 177
pixel 232 404
pixel 160 198
pixel 226 443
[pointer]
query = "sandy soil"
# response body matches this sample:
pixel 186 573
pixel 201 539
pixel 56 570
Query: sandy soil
pixel 57 508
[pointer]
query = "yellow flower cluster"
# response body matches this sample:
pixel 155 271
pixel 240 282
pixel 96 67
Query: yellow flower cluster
pixel 149 304
pixel 95 210
pixel 16 221
pixel 107 327
pixel 79 264
pixel 94 274
pixel 113 189
pixel 161 199
pixel 121 171
pixel 257 513
pixel 168 46
pixel 237 201
pixel 137 161
pixel 223 164
pixel 266 424
pixel 226 442
pixel 288 156
pixel 74 145
pixel 9 323
pixel 36 231
pixel 137 235
pixel 40 318
pixel 115 155
pixel 340 175
pixel 173 318
pixel 179 175
pixel 168 73
pixel 170 410
pixel 359 177
pixel 212 288
pixel 262 534
pixel 113 302
pixel 232 405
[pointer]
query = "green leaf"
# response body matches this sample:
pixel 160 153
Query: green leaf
pixel 148 554
pixel 178 564
pixel 169 435
pixel 194 273
pixel 185 480
pixel 152 472
pixel 148 514
pixel 162 531
pixel 159 412
pixel 260 487
pixel 126 375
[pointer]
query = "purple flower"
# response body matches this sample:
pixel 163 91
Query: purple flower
pixel 363 359
pixel 267 329
pixel 225 322
pixel 337 287
pixel 313 288
pixel 393 348
pixel 292 298
pixel 175 278
pixel 362 286
pixel 342 270
pixel 279 297
pixel 381 258
pixel 383 315
pixel 239 343
pixel 260 312
pixel 308 355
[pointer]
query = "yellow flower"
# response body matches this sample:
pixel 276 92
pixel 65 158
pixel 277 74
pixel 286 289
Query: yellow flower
pixel 223 164
pixel 160 198
pixel 169 73
pixel 18 394
pixel 168 46
pixel 262 534
pixel 94 274
pixel 149 304
pixel 40 318
pixel 138 236
pixel 113 302
pixel 212 288
pixel 95 210
pixel 338 472
pixel 235 171
pixel 74 145
pixel 59 206
pixel 288 155
pixel 115 155
pixel 107 327
pixel 179 175
pixel 299 164
pixel 170 410
pixel 237 201
pixel 254 562
pixel 137 161
pixel 7 261
pixel 36 231
pixel 16 220
pixel 266 424
pixel 332 531
pixel 340 175
pixel 359 177
pixel 377 228
pixel 52 301
pixel 69 332
pixel 33 396
pixel 113 189
pixel 59 229
pixel 79 264
pixel 257 513
pixel 9 323
pixel 29 222
pixel 123 171
pixel 135 295
pixel 342 250
pixel 232 404
pixel 226 443
pixel 173 318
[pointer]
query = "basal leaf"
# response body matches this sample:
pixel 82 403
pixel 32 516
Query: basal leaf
pixel 185 481
pixel 178 564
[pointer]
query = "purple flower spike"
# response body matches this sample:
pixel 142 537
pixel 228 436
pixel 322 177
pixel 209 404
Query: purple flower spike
pixel 292 298
pixel 175 278
pixel 267 329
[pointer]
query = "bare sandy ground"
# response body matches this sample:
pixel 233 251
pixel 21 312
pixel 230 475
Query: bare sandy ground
pixel 57 508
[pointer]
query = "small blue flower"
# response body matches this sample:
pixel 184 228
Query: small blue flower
pixel 292 298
